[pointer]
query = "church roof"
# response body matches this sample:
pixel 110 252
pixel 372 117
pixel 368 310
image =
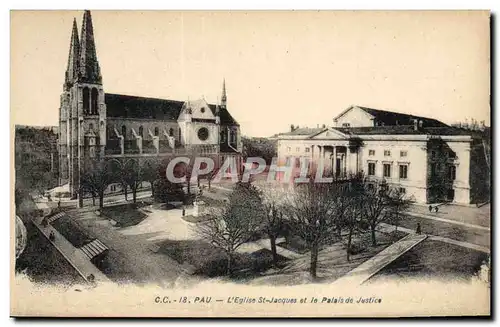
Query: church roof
pixel 128 106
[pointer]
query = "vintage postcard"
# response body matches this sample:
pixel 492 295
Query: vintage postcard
pixel 250 163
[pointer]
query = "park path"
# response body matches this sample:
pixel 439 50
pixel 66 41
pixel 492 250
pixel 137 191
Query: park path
pixel 468 216
pixel 367 269
pixel 449 221
pixel 387 228
pixel 251 247
pixel 73 255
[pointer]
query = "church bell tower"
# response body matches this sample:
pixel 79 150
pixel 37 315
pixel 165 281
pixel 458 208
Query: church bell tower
pixel 83 111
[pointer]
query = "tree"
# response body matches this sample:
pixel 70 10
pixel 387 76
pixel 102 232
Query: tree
pixel 398 203
pixel 151 173
pixel 35 167
pixel 310 210
pixel 97 179
pixel 166 191
pixel 375 201
pixel 259 147
pixel 234 223
pixel 351 199
pixel 132 176
pixel 273 218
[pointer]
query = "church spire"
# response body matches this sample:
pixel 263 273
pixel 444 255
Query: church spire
pixel 223 99
pixel 73 57
pixel 89 66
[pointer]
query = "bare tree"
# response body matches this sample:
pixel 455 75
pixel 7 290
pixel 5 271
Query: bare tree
pixel 310 210
pixel 234 223
pixel 132 176
pixel 97 179
pixel 273 217
pixel 151 174
pixel 374 203
pixel 398 204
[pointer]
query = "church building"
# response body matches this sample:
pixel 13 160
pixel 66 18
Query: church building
pixel 95 125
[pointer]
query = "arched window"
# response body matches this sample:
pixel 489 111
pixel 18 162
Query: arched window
pixel 157 131
pixel 171 132
pixel 111 132
pixel 124 131
pixel 86 95
pixel 233 136
pixel 141 131
pixel 93 103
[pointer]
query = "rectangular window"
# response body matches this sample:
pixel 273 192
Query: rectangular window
pixel 433 154
pixel 371 152
pixel 402 190
pixel 387 170
pixel 288 149
pixel 452 172
pixel 371 168
pixel 403 153
pixel 387 153
pixel 297 149
pixel 403 171
pixel 346 125
pixel 308 149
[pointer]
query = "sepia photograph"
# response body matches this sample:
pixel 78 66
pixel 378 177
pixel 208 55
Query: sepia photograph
pixel 250 163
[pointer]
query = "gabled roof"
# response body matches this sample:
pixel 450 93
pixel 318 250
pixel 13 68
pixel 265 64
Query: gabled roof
pixel 395 118
pixel 128 106
pixel 402 130
pixel 328 133
pixel 304 131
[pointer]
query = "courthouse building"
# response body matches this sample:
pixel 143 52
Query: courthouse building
pixel 94 124
pixel 425 158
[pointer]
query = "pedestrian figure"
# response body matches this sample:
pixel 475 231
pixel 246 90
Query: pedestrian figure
pixel 437 209
pixel 59 204
pixel 183 211
pixel 52 237
pixel 430 208
pixel 419 229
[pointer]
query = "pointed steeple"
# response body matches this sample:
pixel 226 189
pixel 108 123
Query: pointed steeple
pixel 217 109
pixel 73 58
pixel 223 98
pixel 90 71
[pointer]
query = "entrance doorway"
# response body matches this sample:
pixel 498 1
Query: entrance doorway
pixel 338 161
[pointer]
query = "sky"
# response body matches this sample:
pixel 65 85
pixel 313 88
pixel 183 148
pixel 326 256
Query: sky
pixel 281 68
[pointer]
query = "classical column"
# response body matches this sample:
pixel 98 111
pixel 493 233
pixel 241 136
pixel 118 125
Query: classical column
pixel 348 161
pixel 334 167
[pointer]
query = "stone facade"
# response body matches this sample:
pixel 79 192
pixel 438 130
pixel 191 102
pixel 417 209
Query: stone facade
pixel 430 164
